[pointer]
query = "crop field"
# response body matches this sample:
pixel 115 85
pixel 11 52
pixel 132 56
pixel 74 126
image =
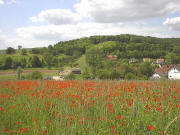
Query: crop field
pixel 12 74
pixel 90 107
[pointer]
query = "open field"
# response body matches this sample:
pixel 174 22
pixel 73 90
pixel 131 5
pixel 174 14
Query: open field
pixel 89 107
pixel 12 74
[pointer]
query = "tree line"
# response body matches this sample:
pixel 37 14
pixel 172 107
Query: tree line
pixel 96 49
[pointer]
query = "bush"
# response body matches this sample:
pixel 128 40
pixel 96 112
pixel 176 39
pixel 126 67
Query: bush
pixel 23 52
pixel 36 75
pixel 8 63
pixel 10 50
pixel 71 76
pixel 130 76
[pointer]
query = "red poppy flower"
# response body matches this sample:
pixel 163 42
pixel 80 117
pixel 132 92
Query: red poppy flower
pixel 112 129
pixel 118 117
pixel 20 130
pixel 150 127
pixel 6 130
pixel 18 123
pixel 26 130
pixel 44 132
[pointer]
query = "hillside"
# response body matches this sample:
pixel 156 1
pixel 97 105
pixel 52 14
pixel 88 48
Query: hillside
pixel 90 53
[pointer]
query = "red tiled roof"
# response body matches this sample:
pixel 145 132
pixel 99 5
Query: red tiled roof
pixel 164 69
pixel 112 57
pixel 159 60
pixel 146 59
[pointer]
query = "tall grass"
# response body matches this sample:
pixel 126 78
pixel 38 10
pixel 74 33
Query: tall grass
pixel 89 107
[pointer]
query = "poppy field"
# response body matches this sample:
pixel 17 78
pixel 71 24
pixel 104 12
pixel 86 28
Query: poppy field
pixel 90 107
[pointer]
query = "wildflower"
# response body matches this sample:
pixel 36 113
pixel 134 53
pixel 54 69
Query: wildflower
pixel 129 104
pixel 147 107
pixel 44 131
pixel 118 117
pixel 150 127
pixel 109 106
pixel 11 107
pixel 112 129
pixel 34 120
pixel 20 130
pixel 73 102
pixel 18 123
pixel 48 122
pixel 26 129
pixel 6 130
pixel 13 132
pixel 122 124
pixel 57 93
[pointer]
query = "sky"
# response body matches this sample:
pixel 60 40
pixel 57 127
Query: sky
pixel 39 23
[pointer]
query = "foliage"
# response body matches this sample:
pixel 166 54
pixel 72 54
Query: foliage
pixel 48 57
pixel 70 76
pixel 146 69
pixel 23 52
pixel 35 51
pixel 8 63
pixel 19 71
pixel 35 61
pixel 10 50
pixel 36 75
pixel 173 58
pixel 19 47
pixel 130 76
pixel 94 51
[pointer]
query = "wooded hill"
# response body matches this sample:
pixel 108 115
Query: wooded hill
pixel 93 51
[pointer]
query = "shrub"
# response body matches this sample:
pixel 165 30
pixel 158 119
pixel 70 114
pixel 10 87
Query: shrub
pixel 36 75
pixel 33 76
pixel 71 76
pixel 130 76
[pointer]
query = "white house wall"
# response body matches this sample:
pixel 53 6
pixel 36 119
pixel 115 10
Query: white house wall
pixel 174 74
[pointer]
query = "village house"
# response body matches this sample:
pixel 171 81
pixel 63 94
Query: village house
pixel 132 60
pixel 155 76
pixel 161 72
pixel 76 70
pixel 112 57
pixel 160 61
pixel 174 73
pixel 146 59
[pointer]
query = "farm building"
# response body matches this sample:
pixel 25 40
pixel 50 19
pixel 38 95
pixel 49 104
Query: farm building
pixel 160 61
pixel 76 70
pixel 161 72
pixel 146 59
pixel 155 76
pixel 112 57
pixel 174 73
pixel 132 60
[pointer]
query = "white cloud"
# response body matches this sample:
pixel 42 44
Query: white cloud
pixel 173 23
pixel 56 17
pixel 12 2
pixel 7 41
pixel 112 11
pixel 3 41
pixel 1 2
pixel 8 2
pixel 51 34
